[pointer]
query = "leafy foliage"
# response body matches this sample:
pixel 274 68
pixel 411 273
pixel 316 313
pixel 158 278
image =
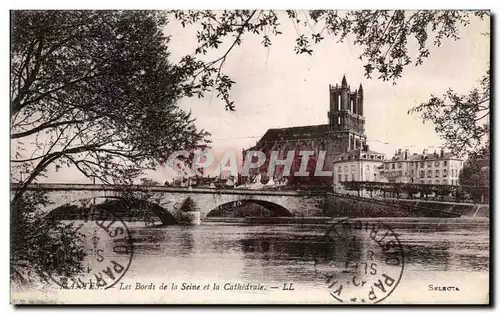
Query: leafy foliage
pixel 94 90
pixel 189 205
pixel 40 246
pixel 142 203
pixel 461 120
pixel 382 35
pixel 476 170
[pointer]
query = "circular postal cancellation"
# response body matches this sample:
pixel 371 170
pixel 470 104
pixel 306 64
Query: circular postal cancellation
pixel 364 261
pixel 108 249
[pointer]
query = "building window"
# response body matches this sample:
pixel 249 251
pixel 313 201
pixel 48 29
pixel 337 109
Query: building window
pixel 393 166
pixel 400 165
pixel 340 177
pixel 338 120
pixel 437 182
pixel 339 103
pixel 346 177
pixel 400 173
pixel 445 163
pixel 429 164
pixel 445 172
pixel 437 173
pixel 436 164
pixel 429 173
pixel 367 167
pixel 340 170
pixel 386 166
pixel 422 174
pixel 421 165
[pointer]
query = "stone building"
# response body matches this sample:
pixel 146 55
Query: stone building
pixel 344 132
pixel 361 164
pixel 425 168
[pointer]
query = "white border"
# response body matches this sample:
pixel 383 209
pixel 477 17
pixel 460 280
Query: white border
pixel 197 4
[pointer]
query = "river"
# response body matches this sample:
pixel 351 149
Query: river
pixel 438 252
pixel 445 261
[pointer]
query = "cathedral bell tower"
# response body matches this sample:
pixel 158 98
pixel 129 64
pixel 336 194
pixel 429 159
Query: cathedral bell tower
pixel 346 120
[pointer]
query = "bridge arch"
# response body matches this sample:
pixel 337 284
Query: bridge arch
pixel 116 205
pixel 171 198
pixel 275 209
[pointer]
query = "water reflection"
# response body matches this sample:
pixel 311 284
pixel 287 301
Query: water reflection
pixel 279 253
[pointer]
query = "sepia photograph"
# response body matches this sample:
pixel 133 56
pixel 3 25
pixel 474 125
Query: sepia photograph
pixel 316 157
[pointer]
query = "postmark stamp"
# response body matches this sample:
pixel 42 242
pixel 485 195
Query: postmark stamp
pixel 108 246
pixel 366 261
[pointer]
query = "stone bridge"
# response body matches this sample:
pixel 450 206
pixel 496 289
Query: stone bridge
pixel 170 199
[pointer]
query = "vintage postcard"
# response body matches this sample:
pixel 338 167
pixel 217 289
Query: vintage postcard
pixel 250 157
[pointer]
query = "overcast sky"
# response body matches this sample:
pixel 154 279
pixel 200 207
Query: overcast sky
pixel 277 88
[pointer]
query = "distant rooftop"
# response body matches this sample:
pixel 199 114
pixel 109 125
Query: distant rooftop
pixel 295 133
pixel 441 155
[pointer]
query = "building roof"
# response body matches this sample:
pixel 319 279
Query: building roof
pixel 424 157
pixel 357 153
pixel 295 133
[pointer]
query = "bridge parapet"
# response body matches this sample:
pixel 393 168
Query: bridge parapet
pixel 153 188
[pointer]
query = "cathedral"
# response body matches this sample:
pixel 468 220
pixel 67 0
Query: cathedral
pixel 344 132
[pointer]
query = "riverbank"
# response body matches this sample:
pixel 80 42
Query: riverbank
pixel 272 220
pixel 402 221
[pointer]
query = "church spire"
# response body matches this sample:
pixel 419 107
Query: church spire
pixel 344 81
pixel 360 99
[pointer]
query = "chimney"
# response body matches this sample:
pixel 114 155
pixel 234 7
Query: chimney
pixel 435 154
pixel 399 151
pixel 442 153
pixel 406 154
pixel 424 151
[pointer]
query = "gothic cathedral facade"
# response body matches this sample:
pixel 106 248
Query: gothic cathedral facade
pixel 344 132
